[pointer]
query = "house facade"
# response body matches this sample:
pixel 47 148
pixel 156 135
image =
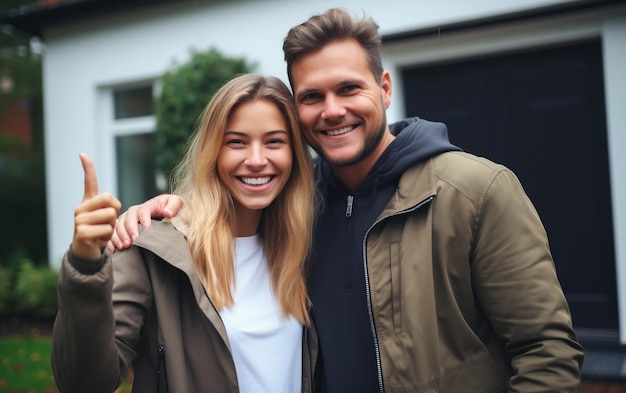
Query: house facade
pixel 538 85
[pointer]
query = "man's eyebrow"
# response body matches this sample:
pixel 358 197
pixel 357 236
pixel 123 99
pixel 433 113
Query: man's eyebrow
pixel 338 85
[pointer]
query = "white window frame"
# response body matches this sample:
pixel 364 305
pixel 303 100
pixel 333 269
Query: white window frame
pixel 110 128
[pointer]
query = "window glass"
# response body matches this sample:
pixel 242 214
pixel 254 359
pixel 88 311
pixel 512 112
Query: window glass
pixel 137 177
pixel 133 102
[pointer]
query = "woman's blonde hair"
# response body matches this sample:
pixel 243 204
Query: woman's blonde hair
pixel 208 218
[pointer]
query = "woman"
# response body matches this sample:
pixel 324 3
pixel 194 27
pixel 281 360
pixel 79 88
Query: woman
pixel 215 300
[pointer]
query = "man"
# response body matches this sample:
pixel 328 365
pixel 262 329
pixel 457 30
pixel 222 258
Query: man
pixel 431 269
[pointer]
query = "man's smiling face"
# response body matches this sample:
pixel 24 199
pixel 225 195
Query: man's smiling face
pixel 340 104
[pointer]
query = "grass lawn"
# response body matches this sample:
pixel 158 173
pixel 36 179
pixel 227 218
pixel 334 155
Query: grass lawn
pixel 25 366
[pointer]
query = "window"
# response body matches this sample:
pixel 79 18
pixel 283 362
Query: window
pixel 136 171
pixel 133 102
pixel 133 126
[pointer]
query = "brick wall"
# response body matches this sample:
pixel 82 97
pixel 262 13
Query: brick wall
pixel 15 119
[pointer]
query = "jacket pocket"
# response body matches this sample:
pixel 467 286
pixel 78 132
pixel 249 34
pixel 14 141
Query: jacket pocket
pixel 396 289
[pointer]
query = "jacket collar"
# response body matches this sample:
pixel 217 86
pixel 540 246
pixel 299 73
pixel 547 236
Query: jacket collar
pixel 416 185
pixel 163 240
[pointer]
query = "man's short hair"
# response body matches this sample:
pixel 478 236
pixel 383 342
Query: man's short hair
pixel 336 24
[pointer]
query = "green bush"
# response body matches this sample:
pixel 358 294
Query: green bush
pixel 9 271
pixel 185 91
pixel 35 291
pixel 27 290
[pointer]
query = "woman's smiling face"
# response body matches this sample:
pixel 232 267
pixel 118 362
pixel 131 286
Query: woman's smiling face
pixel 255 158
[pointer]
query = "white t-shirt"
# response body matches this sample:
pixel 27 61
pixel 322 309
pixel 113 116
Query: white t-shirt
pixel 266 345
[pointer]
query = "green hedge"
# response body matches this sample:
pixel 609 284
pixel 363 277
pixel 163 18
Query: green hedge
pixel 36 290
pixel 27 290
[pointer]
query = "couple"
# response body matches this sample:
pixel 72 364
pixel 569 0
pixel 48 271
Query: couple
pixel 429 271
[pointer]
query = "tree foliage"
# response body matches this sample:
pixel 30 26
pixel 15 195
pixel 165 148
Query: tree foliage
pixel 22 175
pixel 18 62
pixel 185 91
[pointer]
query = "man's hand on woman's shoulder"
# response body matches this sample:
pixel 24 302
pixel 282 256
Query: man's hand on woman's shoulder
pixel 127 226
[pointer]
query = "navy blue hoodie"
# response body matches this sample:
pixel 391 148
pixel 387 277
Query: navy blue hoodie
pixel 337 282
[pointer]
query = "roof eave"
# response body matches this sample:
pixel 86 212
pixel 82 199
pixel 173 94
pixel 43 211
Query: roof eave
pixel 533 13
pixel 33 20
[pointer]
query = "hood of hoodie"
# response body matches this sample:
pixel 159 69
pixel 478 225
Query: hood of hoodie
pixel 416 140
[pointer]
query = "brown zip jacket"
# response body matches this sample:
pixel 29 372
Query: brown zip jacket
pixel 463 289
pixel 145 307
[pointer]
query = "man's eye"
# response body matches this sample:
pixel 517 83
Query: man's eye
pixel 311 97
pixel 348 89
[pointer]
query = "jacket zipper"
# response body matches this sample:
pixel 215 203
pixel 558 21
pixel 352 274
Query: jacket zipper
pixel 349 206
pixel 379 366
pixel 161 365
pixel 348 285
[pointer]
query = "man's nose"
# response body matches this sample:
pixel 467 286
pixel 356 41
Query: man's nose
pixel 333 108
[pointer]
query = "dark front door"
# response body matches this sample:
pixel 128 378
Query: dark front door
pixel 541 113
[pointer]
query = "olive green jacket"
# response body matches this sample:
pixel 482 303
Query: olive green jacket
pixel 147 307
pixel 464 292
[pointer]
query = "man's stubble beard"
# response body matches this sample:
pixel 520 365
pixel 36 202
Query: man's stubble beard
pixel 369 146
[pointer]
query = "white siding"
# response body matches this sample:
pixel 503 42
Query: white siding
pixel 82 61
pixel 614 43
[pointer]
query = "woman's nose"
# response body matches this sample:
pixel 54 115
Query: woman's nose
pixel 256 156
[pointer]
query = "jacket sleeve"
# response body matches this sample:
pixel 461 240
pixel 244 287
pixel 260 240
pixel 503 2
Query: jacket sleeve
pixel 102 307
pixel 515 279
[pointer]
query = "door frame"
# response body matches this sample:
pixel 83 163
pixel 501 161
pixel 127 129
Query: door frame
pixel 483 39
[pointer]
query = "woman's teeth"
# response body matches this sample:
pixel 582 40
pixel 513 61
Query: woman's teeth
pixel 256 181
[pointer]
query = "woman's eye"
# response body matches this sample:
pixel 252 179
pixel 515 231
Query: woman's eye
pixel 235 142
pixel 276 141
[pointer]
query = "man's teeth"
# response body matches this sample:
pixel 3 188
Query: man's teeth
pixel 256 181
pixel 339 131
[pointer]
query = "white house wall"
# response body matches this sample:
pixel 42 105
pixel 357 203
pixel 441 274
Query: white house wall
pixel 84 58
pixel 614 43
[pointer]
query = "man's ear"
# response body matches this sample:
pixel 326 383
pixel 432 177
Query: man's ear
pixel 385 85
